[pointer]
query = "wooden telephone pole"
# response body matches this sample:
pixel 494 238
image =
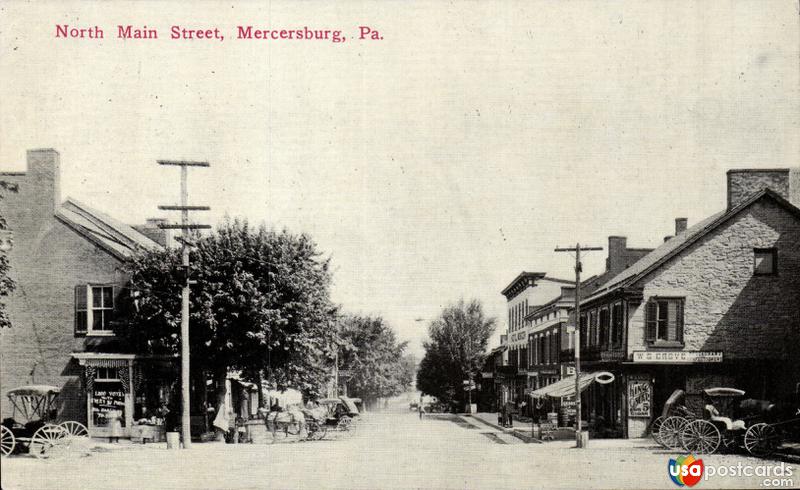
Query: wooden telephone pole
pixel 185 228
pixel 578 267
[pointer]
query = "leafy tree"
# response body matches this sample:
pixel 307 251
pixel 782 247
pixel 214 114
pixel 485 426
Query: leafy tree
pixel 6 283
pixel 260 305
pixel 455 352
pixel 373 357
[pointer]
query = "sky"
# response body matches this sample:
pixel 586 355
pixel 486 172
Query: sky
pixel 433 164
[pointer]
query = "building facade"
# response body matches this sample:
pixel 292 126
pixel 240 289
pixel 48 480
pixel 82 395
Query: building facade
pixel 718 304
pixel 68 265
pixel 524 294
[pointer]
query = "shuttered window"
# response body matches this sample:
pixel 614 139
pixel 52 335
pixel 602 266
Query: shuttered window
pixel 617 326
pixel 94 309
pixel 664 320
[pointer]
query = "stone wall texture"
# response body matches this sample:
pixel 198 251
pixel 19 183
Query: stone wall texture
pixel 727 307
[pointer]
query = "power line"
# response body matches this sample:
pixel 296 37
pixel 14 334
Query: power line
pixel 185 228
pixel 578 268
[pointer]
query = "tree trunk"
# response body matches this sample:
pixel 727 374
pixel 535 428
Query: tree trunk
pixel 261 389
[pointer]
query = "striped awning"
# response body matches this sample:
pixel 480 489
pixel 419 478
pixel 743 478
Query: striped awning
pixel 565 387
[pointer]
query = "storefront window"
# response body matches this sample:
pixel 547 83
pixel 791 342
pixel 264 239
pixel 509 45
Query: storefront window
pixel 108 399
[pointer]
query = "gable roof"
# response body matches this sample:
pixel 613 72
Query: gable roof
pixel 115 237
pixel 680 242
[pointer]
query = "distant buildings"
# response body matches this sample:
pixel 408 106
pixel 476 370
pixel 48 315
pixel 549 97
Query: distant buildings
pixel 717 304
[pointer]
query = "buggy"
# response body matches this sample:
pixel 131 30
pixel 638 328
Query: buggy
pixel 40 434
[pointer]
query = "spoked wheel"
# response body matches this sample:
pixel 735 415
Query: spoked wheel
pixel 75 429
pixel 761 439
pixel 345 423
pixel 7 441
pixel 321 432
pixel 50 441
pixel 701 437
pixel 293 428
pixel 655 427
pixel 669 434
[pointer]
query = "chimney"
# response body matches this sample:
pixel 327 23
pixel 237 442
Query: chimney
pixel 743 183
pixel 680 225
pixel 617 247
pixel 151 230
pixel 38 193
pixel 44 179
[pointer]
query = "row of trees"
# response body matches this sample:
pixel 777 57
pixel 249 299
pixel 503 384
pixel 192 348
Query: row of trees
pixel 455 352
pixel 376 364
pixel 260 305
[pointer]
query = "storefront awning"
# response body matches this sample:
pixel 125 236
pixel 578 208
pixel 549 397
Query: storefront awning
pixel 565 387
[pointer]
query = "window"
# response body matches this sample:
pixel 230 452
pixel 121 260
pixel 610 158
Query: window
pixel 664 320
pixel 617 326
pixel 592 328
pixel 546 356
pixel 765 261
pixel 584 333
pixel 604 325
pixel 94 310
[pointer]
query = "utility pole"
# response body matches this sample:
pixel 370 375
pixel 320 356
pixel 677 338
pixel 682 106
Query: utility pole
pixel 186 242
pixel 578 267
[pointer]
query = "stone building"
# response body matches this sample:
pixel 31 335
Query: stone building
pixel 67 262
pixel 718 304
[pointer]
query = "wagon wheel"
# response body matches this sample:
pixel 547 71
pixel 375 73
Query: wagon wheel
pixel 655 427
pixel 321 431
pixel 761 439
pixel 701 437
pixel 50 441
pixel 75 429
pixel 7 441
pixel 293 428
pixel 344 423
pixel 669 434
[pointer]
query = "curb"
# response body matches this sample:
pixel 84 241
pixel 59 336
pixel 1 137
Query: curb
pixel 523 437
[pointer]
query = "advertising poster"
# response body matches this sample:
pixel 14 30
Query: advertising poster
pixel 342 244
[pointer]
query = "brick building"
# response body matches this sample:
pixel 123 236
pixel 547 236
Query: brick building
pixel 67 262
pixel 718 304
pixel 525 293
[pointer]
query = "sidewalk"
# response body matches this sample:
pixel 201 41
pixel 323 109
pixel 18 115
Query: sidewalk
pixel 520 431
pixel 523 431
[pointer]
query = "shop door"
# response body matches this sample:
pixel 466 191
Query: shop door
pixel 110 405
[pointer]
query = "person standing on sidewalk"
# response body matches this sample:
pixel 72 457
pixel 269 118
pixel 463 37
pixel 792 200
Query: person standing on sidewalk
pixel 421 408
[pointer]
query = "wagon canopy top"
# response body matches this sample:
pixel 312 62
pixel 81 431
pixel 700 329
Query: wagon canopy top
pixel 723 392
pixel 34 390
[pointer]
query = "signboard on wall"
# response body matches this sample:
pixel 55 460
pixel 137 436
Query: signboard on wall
pixel 677 357
pixel 640 395
pixel 107 405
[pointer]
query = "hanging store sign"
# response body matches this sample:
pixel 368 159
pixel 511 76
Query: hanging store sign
pixel 678 357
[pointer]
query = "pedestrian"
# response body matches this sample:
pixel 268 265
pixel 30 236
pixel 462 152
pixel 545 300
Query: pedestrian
pixel 421 409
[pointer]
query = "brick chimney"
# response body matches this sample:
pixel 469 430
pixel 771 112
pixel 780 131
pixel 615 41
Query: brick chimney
pixel 680 225
pixel 743 183
pixel 38 195
pixel 617 248
pixel 151 230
